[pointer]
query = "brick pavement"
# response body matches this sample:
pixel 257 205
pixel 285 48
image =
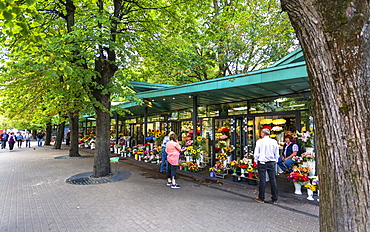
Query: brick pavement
pixel 35 197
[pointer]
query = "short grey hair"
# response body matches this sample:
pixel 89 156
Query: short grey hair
pixel 265 131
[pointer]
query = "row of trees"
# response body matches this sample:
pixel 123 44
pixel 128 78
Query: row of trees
pixel 67 57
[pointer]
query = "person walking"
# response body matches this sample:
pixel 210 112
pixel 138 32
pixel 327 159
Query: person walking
pixel 173 153
pixel 4 139
pixel 68 137
pixel 266 154
pixel 20 139
pixel 39 137
pixel 166 139
pixel 11 140
pixel 28 138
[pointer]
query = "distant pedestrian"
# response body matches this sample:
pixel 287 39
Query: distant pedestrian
pixel 68 137
pixel 11 140
pixel 4 139
pixel 28 138
pixel 164 162
pixel 266 154
pixel 20 139
pixel 173 153
pixel 39 137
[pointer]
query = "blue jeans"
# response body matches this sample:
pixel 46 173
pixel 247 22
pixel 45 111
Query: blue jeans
pixel 39 142
pixel 287 164
pixel 164 160
pixel 270 167
pixel 3 144
pixel 28 143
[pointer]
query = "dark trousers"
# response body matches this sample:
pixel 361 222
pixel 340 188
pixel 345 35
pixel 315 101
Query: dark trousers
pixel 19 143
pixel 270 167
pixel 11 146
pixel 171 171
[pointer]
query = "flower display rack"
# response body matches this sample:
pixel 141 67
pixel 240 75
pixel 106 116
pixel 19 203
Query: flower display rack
pixel 220 175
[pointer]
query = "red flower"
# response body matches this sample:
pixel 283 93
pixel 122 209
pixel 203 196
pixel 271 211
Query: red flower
pixel 217 149
pixel 266 127
pixel 225 130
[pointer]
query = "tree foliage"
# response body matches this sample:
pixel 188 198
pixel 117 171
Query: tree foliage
pixel 210 39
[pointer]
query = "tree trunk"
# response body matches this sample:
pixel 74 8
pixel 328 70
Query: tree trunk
pixel 102 149
pixel 106 67
pixel 49 129
pixel 73 127
pixel 335 40
pixel 59 137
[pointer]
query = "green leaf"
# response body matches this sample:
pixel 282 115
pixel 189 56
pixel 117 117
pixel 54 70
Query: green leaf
pixel 8 16
pixel 2 5
pixel 30 2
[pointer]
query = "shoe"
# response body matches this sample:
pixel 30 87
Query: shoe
pixel 169 183
pixel 175 186
pixel 259 200
pixel 274 202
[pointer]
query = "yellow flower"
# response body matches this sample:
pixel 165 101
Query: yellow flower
pixel 250 123
pixel 266 121
pixel 189 148
pixel 272 135
pixel 199 138
pixel 198 150
pixel 279 121
pixel 250 169
pixel 193 151
pixel 159 148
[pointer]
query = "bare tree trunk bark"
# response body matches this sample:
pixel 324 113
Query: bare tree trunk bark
pixel 59 137
pixel 102 148
pixel 49 129
pixel 73 127
pixel 335 40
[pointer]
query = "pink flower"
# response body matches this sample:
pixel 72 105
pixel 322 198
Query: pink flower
pixel 223 137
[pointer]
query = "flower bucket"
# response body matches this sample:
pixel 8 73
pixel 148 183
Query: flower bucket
pixel 309 149
pixel 212 174
pixel 236 178
pixel 250 175
pixel 242 172
pixel 310 194
pixel 297 188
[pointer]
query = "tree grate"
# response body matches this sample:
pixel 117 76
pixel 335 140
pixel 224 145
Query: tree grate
pixel 86 179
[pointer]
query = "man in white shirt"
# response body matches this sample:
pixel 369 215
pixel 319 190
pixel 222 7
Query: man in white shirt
pixel 266 154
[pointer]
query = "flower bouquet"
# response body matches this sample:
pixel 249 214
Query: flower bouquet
pixel 193 167
pixel 249 155
pixel 221 156
pixel 297 177
pixel 234 165
pixel 298 160
pixel 305 139
pixel 218 168
pixel 301 169
pixel 308 156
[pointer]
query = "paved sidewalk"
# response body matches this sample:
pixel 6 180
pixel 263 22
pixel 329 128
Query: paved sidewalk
pixel 34 196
